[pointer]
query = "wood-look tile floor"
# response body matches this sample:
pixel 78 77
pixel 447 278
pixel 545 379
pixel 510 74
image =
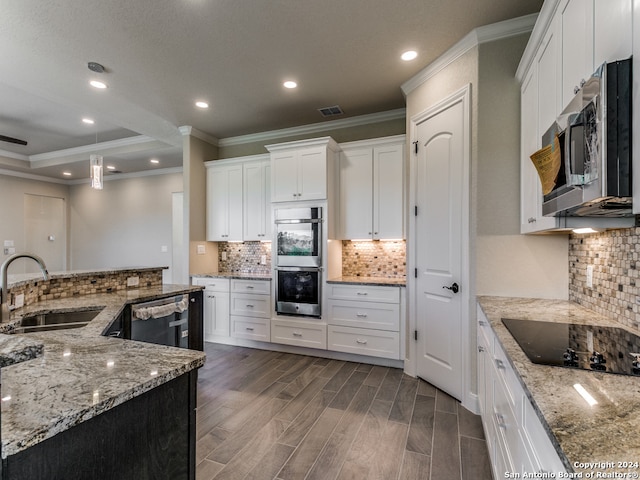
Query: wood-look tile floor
pixel 270 415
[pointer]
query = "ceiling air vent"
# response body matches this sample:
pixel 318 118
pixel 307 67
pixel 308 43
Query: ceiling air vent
pixel 331 111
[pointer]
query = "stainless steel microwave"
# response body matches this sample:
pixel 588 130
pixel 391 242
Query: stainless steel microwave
pixel 594 132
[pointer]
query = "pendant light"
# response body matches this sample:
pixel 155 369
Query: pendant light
pixel 96 171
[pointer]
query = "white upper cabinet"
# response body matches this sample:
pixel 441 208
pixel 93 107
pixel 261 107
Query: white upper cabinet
pixel 371 178
pixel 299 169
pixel 570 40
pixel 257 200
pixel 224 203
pixel 613 30
pixel 575 19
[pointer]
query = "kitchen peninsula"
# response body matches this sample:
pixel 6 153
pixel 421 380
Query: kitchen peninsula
pixel 92 406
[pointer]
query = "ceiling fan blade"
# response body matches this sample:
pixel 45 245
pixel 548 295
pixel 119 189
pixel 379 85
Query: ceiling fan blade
pixel 12 140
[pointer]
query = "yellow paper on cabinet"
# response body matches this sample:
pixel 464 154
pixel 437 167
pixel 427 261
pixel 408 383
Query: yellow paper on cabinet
pixel 547 161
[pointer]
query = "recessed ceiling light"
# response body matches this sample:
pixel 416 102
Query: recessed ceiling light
pixel 66 174
pixel 202 105
pixel 88 121
pixel 97 84
pixel 409 55
pixel 154 160
pixel 290 84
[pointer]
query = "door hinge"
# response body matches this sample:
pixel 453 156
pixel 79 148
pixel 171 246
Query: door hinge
pixel 415 145
pixel 415 335
pixel 415 273
pixel 415 210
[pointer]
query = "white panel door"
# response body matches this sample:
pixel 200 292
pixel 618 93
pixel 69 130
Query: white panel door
pixel 576 19
pixel 255 201
pixel 613 37
pixel 217 205
pixel 234 204
pixel 216 315
pixel 388 192
pixel 438 243
pixel 356 194
pixel 45 232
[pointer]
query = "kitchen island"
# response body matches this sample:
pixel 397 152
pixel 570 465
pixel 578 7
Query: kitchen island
pixel 586 437
pixel 97 407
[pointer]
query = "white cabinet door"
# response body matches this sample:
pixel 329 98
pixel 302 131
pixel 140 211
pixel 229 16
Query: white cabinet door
pixel 613 27
pixel 216 315
pixel 284 176
pixel 388 192
pixel 256 205
pixel 224 203
pixel 312 174
pixel 548 65
pixel 576 22
pixel 356 193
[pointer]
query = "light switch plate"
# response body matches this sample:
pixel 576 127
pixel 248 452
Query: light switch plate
pixel 133 281
pixel 201 249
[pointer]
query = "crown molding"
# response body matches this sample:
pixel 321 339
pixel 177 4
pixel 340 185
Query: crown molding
pixel 314 128
pixel 188 130
pixel 31 176
pixel 14 156
pixel 393 139
pixel 488 33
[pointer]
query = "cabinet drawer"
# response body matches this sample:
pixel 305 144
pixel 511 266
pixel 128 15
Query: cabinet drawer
pixel 375 315
pixel 376 343
pixel 262 287
pixel 213 284
pixel 250 328
pixel 250 305
pixel 504 371
pixel 303 334
pixel 364 293
pixel 543 452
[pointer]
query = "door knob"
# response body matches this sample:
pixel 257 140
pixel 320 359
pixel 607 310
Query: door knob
pixel 455 288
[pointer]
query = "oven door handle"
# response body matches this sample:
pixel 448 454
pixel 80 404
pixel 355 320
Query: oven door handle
pixel 298 269
pixel 290 221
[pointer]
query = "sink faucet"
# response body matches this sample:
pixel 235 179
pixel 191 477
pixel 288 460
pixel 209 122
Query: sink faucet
pixel 4 287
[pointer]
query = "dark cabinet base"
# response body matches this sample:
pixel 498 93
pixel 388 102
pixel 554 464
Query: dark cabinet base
pixel 151 436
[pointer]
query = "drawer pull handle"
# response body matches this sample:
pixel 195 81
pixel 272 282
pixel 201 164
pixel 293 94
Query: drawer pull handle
pixel 249 328
pixel 211 296
pixel 500 364
pixel 249 305
pixel 361 342
pixel 249 286
pixel 297 334
pixel 362 293
pixel 480 348
pixel 500 421
pixel 482 323
pixel 361 315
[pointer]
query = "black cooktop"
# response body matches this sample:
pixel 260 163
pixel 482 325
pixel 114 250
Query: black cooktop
pixel 587 347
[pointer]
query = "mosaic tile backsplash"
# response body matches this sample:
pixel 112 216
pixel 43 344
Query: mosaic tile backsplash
pixel 244 257
pixel 374 259
pixel 615 256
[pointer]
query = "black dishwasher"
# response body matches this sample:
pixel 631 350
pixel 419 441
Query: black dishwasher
pixel 169 325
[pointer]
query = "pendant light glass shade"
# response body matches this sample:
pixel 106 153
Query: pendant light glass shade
pixel 96 171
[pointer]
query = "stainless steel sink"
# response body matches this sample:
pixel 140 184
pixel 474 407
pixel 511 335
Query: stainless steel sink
pixel 56 320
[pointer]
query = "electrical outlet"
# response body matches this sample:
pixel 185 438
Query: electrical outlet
pixel 589 276
pixel 133 281
pixel 263 260
pixel 200 249
pixel 223 255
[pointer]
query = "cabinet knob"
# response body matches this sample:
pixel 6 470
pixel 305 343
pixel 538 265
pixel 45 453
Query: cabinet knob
pixel 500 364
pixel 576 89
pixel 531 220
pixel 480 348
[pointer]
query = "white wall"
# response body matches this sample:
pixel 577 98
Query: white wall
pixel 125 224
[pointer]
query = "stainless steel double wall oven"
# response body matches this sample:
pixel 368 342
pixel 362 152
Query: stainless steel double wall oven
pixel 298 261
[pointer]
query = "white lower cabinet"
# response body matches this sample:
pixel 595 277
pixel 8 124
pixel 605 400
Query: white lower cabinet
pixel 250 312
pixel 301 333
pixel 364 319
pixel 215 308
pixel 516 438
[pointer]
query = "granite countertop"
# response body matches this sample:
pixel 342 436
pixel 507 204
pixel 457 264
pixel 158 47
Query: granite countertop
pixel 235 275
pixel 376 281
pixel 605 432
pixel 80 373
pixel 16 348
